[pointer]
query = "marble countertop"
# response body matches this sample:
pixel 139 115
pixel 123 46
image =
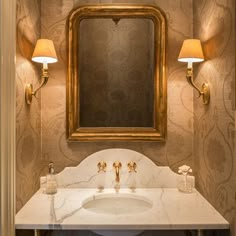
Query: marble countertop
pixel 171 209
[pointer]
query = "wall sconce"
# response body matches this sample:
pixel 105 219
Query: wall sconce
pixel 190 52
pixel 44 53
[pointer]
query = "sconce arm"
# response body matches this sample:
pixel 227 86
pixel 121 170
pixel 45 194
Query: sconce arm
pixel 45 78
pixel 29 92
pixel 204 92
pixel 189 77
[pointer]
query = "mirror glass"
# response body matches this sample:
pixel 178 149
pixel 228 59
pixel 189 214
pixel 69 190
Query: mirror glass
pixel 116 85
pixel 116 71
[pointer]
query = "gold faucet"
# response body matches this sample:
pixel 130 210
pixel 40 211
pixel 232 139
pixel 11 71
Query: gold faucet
pixel 117 165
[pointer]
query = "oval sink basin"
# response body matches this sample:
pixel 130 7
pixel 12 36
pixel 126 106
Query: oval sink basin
pixel 117 204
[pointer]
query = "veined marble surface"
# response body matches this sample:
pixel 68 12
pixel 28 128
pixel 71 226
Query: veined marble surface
pixel 170 209
pixel 86 175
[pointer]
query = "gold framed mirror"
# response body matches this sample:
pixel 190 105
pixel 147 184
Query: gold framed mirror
pixel 116 84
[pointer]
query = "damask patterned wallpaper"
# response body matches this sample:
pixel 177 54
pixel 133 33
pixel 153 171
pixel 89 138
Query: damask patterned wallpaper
pixel 213 142
pixel 178 148
pixel 28 123
pixel 214 136
pixel 116 73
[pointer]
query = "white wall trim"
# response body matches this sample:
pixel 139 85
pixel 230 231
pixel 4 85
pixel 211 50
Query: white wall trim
pixel 7 116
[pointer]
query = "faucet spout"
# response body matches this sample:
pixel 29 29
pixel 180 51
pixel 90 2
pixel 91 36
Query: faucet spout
pixel 117 165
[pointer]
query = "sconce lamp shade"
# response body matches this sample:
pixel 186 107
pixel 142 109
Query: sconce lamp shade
pixel 44 51
pixel 191 51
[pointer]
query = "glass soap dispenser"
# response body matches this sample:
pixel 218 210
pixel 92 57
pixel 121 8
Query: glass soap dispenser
pixel 51 183
pixel 185 184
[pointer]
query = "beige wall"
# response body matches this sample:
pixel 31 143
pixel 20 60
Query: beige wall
pixel 214 136
pixel 54 147
pixel 28 123
pixel 178 148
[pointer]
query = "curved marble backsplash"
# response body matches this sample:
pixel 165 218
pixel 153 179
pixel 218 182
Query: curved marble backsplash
pixel 147 175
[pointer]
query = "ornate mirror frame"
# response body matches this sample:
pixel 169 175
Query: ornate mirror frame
pixel 159 129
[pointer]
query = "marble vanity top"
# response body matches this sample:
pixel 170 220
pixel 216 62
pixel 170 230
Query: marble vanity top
pixel 166 207
pixel 170 209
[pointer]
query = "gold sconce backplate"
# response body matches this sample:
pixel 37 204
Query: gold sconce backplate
pixel 28 93
pixel 205 93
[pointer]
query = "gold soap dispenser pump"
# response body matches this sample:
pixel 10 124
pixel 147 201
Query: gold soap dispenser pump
pixel 51 183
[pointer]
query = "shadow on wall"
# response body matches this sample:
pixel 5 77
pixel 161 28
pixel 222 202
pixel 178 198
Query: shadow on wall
pixel 145 233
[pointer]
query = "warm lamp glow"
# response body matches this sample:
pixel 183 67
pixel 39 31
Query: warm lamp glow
pixel 191 51
pixel 44 52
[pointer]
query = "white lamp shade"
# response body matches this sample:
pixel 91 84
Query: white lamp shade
pixel 191 51
pixel 44 51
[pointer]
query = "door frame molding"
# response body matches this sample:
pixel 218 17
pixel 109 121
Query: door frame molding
pixel 7 116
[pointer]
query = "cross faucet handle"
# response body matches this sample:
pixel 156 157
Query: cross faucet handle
pixel 102 165
pixel 132 166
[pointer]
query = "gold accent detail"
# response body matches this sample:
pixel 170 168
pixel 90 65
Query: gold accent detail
pixel 132 166
pixel 116 20
pixel 204 92
pixel 29 93
pixel 102 165
pixel 73 129
pixel 117 165
pixel 37 232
